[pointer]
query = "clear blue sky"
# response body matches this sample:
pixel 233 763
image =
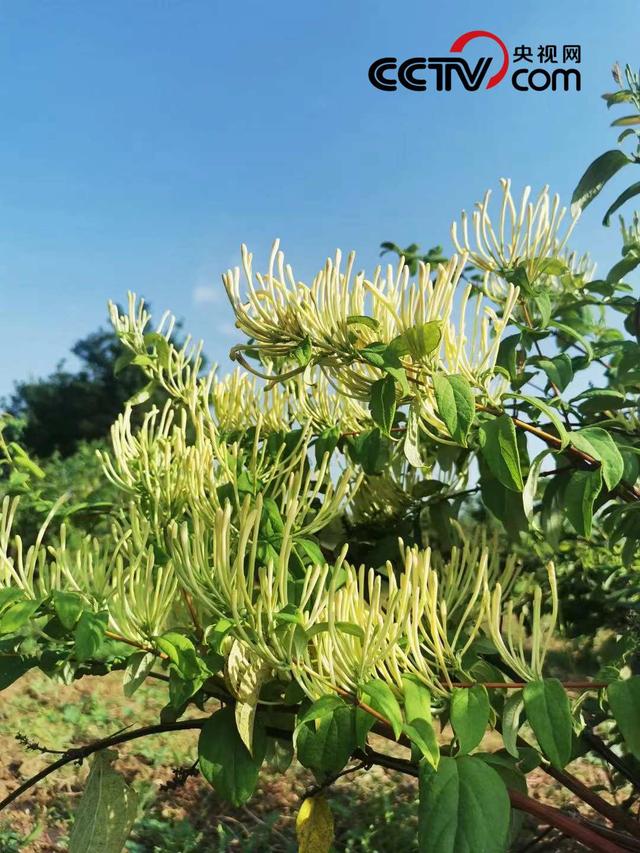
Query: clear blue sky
pixel 141 142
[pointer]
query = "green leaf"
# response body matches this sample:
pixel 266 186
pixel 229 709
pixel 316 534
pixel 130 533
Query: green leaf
pixel 17 615
pixel 549 715
pixel 552 266
pixel 624 699
pixel 411 444
pixel 314 826
pixel 507 506
pixel 547 410
pixel 624 267
pixel 9 595
pixel 531 485
pixel 364 723
pixel 371 450
pixel 382 404
pixel 464 808
pixel 143 395
pixel 500 450
pixel 421 733
pixel 138 668
pixel 417 699
pixel 279 754
pixel 381 698
pixel 619 97
pixel 542 301
pixel 326 442
pixel 224 760
pixel 123 361
pixel 518 276
pixel 384 357
pixel 418 341
pixel 363 320
pixel 105 815
pixel 629 131
pixel 574 335
pixel 634 189
pixel 507 354
pixel 20 459
pixel 513 779
pixel 217 633
pixel 326 735
pixel 303 352
pixel 456 405
pixel 469 715
pixel 350 628
pixel 13 667
pixel 161 347
pixel 312 551
pixel 598 443
pixel 374 353
pixel 626 121
pixel 599 172
pixel 580 494
pixel 181 652
pixel 68 607
pixel 559 370
pixel 511 712
pixel 599 400
pixel 89 634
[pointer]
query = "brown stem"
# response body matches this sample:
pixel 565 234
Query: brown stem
pixel 364 707
pixel 567 825
pixel 598 746
pixel 591 839
pixel 317 789
pixel 113 636
pixel 623 840
pixel 82 752
pixel 516 685
pixel 627 491
pixel 193 613
pixel 547 814
pixel 617 817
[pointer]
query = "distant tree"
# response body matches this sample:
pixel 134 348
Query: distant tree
pixel 61 410
pixel 65 408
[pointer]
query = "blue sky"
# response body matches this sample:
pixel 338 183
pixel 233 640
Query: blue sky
pixel 143 141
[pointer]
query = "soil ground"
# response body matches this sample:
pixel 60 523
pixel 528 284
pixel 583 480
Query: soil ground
pixel 374 811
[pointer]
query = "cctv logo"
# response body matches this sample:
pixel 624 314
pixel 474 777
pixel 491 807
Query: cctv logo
pixel 444 68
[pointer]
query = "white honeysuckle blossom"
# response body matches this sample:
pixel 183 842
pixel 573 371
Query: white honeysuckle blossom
pixel 577 271
pixel 527 235
pixel 202 475
pixel 279 314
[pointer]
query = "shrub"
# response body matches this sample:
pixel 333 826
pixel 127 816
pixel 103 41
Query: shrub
pixel 486 413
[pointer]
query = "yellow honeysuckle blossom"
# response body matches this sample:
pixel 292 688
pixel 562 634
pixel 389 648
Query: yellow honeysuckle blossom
pixel 527 235
pixel 225 494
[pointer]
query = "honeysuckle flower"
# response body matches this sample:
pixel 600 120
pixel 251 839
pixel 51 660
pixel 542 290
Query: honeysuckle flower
pixel 332 321
pixel 526 237
pixel 571 273
pixel 222 500
pixel 509 630
pixel 240 402
pixel 318 403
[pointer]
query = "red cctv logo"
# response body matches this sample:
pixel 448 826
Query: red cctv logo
pixel 462 41
pixel 387 73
